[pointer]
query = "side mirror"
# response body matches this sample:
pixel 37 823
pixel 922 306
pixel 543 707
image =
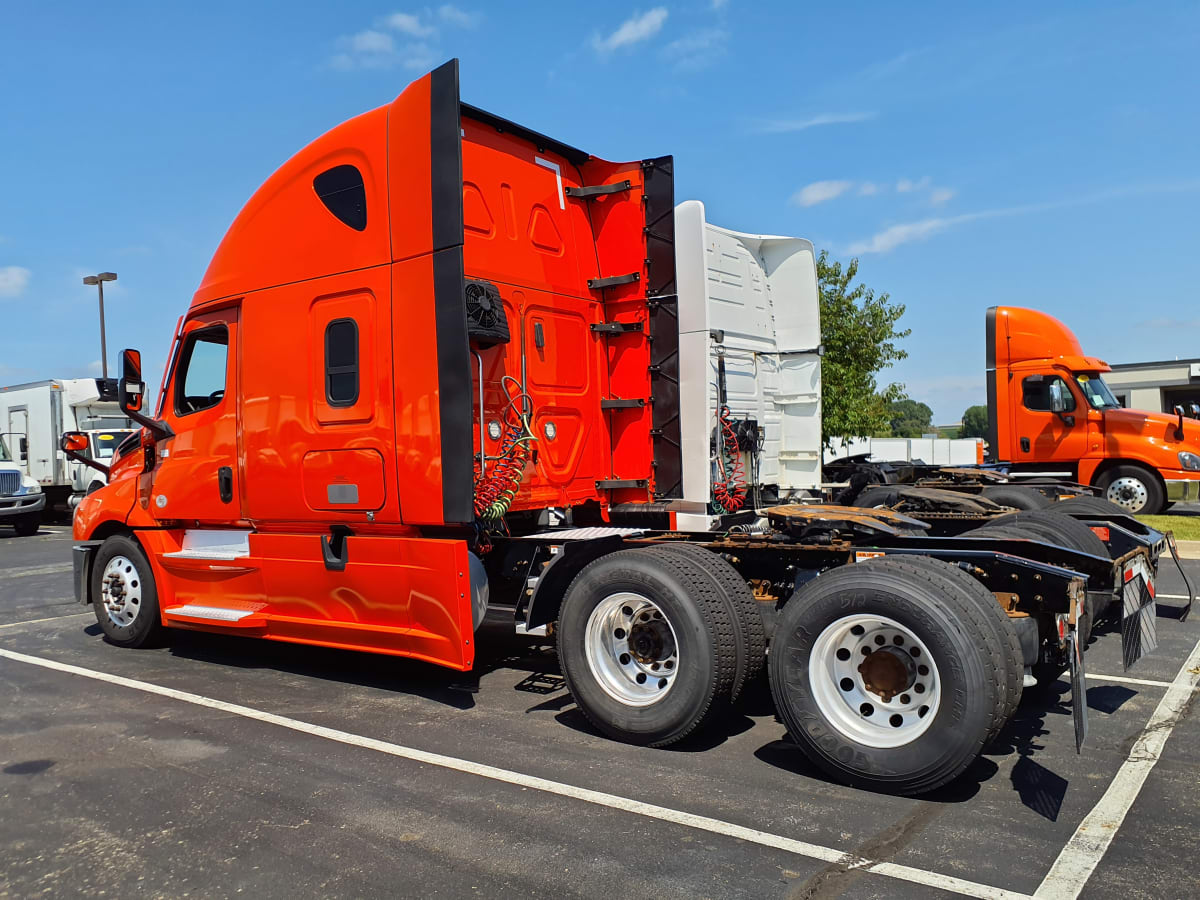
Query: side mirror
pixel 1058 403
pixel 131 389
pixel 74 442
pixel 1194 410
pixel 23 449
pixel 1178 410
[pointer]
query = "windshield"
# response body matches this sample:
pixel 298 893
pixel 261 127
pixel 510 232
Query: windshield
pixel 104 443
pixel 4 457
pixel 1096 391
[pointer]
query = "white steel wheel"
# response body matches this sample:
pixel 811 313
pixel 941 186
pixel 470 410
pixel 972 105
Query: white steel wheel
pixel 874 680
pixel 1128 492
pixel 121 591
pixel 631 649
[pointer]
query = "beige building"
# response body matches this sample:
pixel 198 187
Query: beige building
pixel 1156 386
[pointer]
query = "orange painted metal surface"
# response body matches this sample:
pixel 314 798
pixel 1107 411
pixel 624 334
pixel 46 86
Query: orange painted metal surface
pixel 276 456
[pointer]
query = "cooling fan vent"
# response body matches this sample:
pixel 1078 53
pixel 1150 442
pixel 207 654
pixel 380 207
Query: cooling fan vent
pixel 486 322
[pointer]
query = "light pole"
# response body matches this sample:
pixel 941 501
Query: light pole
pixel 98 281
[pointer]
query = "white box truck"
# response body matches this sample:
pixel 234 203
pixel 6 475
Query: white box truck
pixel 33 417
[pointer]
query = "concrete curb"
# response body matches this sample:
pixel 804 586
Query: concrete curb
pixel 1188 549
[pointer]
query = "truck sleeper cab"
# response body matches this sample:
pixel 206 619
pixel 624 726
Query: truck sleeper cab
pixel 434 359
pixel 1050 413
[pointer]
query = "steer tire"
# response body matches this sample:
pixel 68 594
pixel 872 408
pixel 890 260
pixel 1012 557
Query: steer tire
pixel 1016 496
pixel 27 526
pixel 751 635
pixel 693 605
pixel 1005 646
pixel 848 742
pixel 145 627
pixel 1147 486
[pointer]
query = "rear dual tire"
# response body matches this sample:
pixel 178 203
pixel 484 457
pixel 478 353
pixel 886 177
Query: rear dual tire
pixel 939 643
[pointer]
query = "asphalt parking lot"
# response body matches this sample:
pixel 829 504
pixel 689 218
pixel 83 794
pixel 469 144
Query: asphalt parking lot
pixel 219 766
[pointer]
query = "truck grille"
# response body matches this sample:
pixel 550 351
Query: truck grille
pixel 10 483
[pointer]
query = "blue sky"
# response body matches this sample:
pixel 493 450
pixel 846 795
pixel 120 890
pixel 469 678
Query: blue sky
pixel 970 154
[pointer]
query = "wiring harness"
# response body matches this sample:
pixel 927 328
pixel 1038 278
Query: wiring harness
pixel 496 488
pixel 730 490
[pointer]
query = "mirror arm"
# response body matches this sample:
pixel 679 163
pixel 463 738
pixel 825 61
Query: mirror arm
pixel 1179 427
pixel 99 467
pixel 161 430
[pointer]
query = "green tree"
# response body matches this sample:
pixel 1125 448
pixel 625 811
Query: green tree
pixel 908 418
pixel 859 332
pixel 975 421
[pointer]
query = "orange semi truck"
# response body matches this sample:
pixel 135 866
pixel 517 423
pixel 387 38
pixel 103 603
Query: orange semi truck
pixel 433 373
pixel 1050 414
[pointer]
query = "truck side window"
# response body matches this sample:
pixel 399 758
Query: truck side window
pixel 200 381
pixel 1035 393
pixel 341 362
pixel 341 190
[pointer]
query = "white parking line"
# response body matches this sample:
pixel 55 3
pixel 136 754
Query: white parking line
pixel 598 798
pixel 1170 685
pixel 1087 846
pixel 50 619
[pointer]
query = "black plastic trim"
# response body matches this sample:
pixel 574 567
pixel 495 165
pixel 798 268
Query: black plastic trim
pixel 445 153
pixel 992 388
pixel 598 190
pixel 352 369
pixel 573 155
pixel 450 314
pixel 596 284
pixel 666 437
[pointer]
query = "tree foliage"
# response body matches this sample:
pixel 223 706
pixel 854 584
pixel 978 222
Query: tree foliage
pixel 859 332
pixel 975 421
pixel 908 418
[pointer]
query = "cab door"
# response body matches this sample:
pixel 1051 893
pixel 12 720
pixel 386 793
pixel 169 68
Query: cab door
pixel 1051 421
pixel 197 478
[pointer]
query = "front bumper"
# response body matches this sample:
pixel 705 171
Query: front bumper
pixel 18 505
pixel 1182 489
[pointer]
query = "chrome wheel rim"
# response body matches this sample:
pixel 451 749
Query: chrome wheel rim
pixel 631 649
pixel 874 680
pixel 1128 492
pixel 121 591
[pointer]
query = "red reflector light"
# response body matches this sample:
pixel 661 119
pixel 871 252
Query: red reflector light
pixel 1129 573
pixel 1150 588
pixel 1102 532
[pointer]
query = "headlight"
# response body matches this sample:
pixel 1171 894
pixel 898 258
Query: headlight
pixel 1189 460
pixel 29 486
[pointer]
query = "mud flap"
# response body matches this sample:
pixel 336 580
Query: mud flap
pixel 1139 634
pixel 1187 582
pixel 1078 691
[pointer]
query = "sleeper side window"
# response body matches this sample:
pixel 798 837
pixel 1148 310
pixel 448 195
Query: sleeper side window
pixel 341 362
pixel 342 191
pixel 1039 391
pixel 200 380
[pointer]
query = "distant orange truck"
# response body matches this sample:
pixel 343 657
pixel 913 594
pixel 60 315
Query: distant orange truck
pixel 1051 414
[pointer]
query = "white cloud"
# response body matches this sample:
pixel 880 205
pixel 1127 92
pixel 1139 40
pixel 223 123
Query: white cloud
pixel 868 189
pixel 373 49
pixel 407 23
pixel 13 281
pixel 697 49
pixel 893 236
pixel 637 28
pixel 787 126
pixel 905 186
pixel 452 15
pixel 820 191
pixel 719 4
pixel 941 196
pixel 94 367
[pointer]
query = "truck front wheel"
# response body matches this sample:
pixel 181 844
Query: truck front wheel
pixel 124 596
pixel 27 526
pixel 1133 488
pixel 647 644
pixel 879 673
